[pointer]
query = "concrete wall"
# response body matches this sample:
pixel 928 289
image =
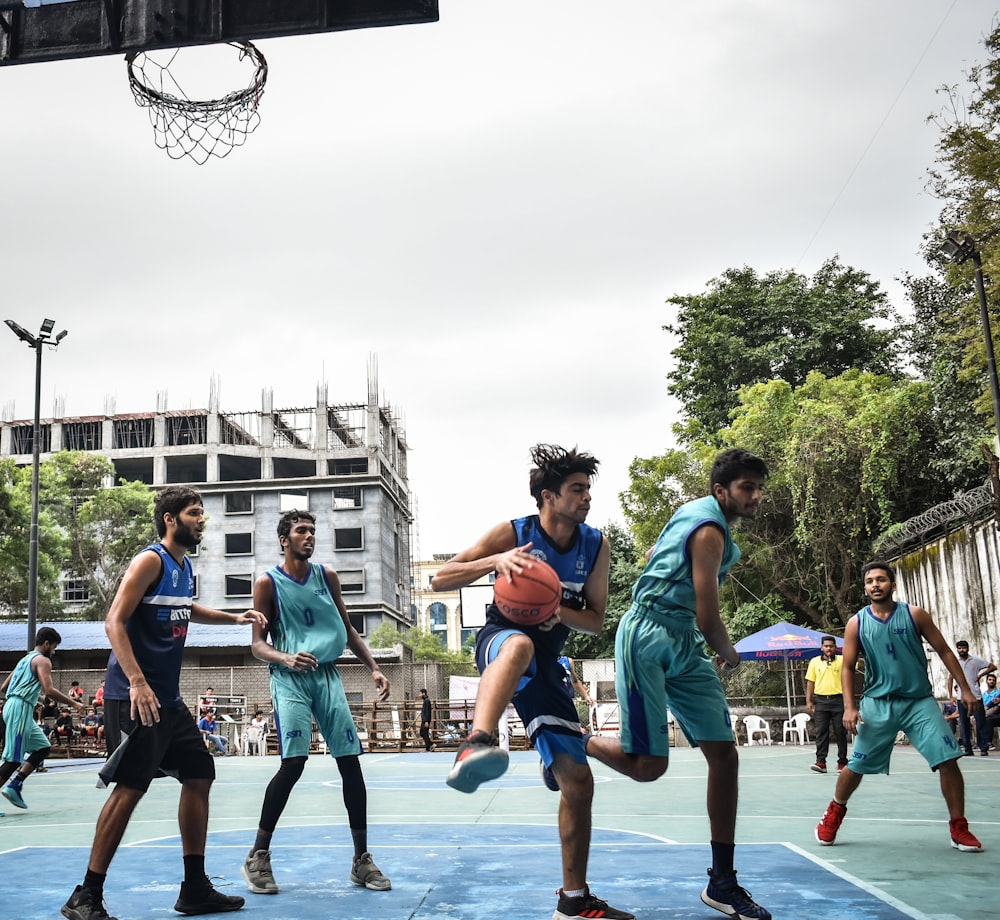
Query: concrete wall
pixel 957 579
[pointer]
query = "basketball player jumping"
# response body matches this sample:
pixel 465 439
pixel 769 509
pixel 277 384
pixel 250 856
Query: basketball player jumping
pixel 521 663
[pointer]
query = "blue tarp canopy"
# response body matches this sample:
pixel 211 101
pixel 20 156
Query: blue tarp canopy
pixel 783 640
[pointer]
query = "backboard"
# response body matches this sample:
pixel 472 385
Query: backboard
pixel 48 30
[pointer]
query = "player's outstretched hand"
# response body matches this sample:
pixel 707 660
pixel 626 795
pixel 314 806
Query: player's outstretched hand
pixel 251 616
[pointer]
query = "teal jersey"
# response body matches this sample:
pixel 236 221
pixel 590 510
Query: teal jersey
pixel 666 585
pixel 895 661
pixel 24 683
pixel 306 618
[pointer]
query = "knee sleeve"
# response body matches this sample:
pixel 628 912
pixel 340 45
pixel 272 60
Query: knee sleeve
pixel 35 758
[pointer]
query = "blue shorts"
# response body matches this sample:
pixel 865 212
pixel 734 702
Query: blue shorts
pixel 884 717
pixel 22 735
pixel 547 711
pixel 661 664
pixel 301 696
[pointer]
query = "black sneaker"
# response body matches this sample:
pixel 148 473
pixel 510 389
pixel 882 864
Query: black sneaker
pixel 85 904
pixel 587 906
pixel 477 761
pixel 204 899
pixel 725 895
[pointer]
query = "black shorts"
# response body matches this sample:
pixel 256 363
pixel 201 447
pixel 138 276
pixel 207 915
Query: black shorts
pixel 140 753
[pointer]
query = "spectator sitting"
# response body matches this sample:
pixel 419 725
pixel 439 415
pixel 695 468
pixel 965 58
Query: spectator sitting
pixel 76 691
pixel 98 700
pixel 256 733
pixel 65 729
pixel 210 731
pixel 93 725
pixel 49 709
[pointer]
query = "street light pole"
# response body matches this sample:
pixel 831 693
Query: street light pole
pixel 35 342
pixel 958 248
pixel 991 361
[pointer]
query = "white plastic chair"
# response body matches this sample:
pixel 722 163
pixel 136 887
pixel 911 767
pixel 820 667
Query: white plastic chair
pixel 757 726
pixel 796 726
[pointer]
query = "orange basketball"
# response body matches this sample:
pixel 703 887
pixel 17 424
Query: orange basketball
pixel 532 597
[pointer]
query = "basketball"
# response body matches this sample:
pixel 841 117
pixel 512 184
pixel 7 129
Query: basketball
pixel 532 597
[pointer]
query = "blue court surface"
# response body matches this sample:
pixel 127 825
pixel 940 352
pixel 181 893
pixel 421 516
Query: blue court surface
pixel 496 853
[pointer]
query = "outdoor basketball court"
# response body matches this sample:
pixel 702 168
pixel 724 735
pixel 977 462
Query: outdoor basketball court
pixel 451 855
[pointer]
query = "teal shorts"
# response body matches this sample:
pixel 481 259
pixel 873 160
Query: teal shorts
pixel 661 664
pixel 300 697
pixel 22 735
pixel 884 717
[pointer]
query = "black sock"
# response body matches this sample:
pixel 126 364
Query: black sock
pixel 194 870
pixel 360 837
pixel 263 842
pixel 722 859
pixel 95 881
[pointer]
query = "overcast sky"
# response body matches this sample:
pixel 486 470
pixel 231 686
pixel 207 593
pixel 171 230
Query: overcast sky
pixel 496 205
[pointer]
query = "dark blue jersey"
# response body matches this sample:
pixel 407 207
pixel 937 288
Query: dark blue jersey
pixel 573 566
pixel 157 632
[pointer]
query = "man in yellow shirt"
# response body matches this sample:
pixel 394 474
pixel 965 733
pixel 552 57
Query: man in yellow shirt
pixel 825 702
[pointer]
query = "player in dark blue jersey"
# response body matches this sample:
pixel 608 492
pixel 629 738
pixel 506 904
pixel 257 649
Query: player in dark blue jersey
pixel 520 664
pixel 149 729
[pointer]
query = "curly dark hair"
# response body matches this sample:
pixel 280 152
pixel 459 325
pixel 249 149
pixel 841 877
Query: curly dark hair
pixel 292 517
pixel 553 465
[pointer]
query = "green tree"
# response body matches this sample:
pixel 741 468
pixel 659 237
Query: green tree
pixel 946 347
pixel 748 329
pixel 102 526
pixel 849 457
pixel 110 527
pixel 966 178
pixel 15 535
pixel 385 635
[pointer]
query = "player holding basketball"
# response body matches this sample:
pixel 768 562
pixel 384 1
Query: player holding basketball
pixel 898 697
pixel 661 663
pixel 308 627
pixel 521 663
pixel 149 729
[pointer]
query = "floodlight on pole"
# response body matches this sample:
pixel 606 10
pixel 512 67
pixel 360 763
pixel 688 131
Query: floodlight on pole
pixel 35 342
pixel 959 248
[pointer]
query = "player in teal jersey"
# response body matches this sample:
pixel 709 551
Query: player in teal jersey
pixel 898 698
pixel 660 662
pixel 306 631
pixel 25 744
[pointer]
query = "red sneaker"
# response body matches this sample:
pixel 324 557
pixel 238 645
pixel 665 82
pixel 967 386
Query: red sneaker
pixel 962 838
pixel 818 767
pixel 826 830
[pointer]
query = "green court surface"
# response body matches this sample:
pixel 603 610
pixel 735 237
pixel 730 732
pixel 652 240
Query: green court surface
pixel 495 853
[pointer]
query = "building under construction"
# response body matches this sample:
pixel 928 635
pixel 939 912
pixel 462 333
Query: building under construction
pixel 344 463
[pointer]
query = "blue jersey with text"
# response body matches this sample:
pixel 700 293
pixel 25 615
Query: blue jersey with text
pixel 573 566
pixel 666 583
pixel 895 660
pixel 306 616
pixel 157 632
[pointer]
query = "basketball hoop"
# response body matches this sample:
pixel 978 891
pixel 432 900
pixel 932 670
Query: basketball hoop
pixel 186 127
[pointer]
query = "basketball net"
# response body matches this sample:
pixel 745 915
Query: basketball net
pixel 194 128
